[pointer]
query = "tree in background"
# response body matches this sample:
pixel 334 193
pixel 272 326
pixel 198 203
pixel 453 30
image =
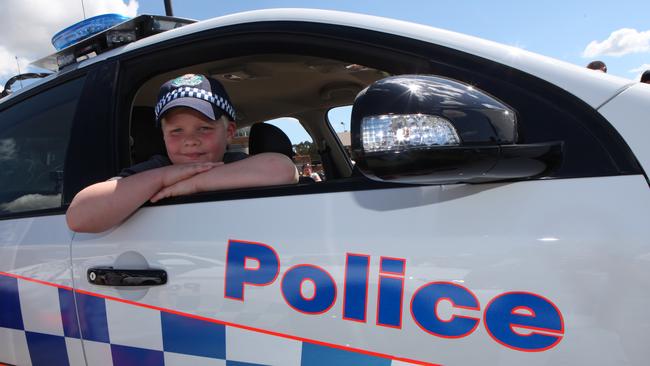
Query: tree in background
pixel 307 148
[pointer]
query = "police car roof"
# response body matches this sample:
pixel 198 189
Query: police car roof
pixel 593 88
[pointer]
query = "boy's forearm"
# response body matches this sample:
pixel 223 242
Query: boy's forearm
pixel 103 205
pixel 264 169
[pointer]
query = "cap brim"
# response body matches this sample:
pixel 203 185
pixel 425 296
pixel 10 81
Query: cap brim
pixel 198 105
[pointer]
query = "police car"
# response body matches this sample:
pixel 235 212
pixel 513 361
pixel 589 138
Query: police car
pixel 493 210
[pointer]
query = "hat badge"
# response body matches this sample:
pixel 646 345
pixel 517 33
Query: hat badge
pixel 188 79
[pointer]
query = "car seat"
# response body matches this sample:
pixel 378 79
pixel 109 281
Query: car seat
pixel 265 137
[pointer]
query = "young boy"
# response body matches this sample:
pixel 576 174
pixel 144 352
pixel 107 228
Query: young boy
pixel 197 121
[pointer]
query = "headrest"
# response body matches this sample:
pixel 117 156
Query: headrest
pixel 265 137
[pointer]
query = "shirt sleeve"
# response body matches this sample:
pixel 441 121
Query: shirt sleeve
pixel 159 161
pixel 156 161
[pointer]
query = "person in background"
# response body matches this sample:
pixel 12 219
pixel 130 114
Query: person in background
pixel 307 171
pixel 645 77
pixel 597 65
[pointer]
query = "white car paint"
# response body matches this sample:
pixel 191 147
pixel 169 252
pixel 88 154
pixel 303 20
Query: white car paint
pixel 560 239
pixel 629 113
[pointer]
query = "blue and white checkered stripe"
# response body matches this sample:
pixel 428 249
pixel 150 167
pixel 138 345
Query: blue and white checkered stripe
pixel 38 326
pixel 190 92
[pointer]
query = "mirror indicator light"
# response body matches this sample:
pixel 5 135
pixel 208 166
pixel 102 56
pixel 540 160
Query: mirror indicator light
pixel 396 132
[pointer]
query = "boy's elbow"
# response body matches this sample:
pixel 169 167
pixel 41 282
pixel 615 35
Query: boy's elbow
pixel 80 223
pixel 285 170
pixel 276 169
pixel 74 221
pixel 292 175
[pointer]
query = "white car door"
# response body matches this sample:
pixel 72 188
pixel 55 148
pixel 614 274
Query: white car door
pixel 555 243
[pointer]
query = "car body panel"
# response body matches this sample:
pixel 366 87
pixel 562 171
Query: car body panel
pixel 570 247
pixel 594 88
pixel 628 113
pixel 36 288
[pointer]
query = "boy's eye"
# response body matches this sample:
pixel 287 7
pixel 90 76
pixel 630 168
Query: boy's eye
pixel 206 128
pixel 174 132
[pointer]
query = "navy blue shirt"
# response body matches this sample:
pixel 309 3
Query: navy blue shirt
pixel 159 161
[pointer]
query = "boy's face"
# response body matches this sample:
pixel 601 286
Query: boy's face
pixel 191 137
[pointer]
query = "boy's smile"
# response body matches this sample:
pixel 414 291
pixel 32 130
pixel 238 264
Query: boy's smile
pixel 191 137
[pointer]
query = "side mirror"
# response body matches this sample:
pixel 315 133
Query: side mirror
pixel 431 130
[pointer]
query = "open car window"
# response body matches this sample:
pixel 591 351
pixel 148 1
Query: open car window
pixel 288 137
pixel 309 76
pixel 311 87
pixel 339 120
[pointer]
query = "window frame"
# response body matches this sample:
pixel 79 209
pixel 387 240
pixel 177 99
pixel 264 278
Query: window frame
pixel 92 150
pixel 378 50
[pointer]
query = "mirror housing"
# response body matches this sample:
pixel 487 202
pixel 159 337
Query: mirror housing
pixel 430 130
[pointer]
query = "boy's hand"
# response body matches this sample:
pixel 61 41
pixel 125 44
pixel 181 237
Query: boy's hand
pixel 178 180
pixel 173 174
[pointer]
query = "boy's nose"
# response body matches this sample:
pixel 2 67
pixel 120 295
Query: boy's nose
pixel 192 140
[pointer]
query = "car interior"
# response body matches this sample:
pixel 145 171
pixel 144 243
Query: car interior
pixel 262 88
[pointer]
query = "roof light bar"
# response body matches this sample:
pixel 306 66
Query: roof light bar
pixel 86 28
pixel 96 35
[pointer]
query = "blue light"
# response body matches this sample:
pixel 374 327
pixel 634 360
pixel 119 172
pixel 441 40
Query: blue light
pixel 86 28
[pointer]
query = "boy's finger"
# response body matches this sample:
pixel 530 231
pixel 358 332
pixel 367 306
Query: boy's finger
pixel 157 197
pixel 160 195
pixel 177 189
pixel 181 172
pixel 200 168
pixel 193 169
pixel 210 165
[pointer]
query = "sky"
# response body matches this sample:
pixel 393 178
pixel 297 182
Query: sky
pixel 616 32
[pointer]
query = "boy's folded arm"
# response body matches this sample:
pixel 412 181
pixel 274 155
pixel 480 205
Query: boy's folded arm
pixel 103 205
pixel 266 169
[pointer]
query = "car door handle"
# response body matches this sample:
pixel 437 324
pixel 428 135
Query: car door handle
pixel 109 276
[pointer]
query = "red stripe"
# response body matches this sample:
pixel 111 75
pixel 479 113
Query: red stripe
pixel 211 320
pixel 35 280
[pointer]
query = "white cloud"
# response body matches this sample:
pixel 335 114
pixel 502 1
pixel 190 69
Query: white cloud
pixel 639 70
pixel 621 42
pixel 8 65
pixel 27 27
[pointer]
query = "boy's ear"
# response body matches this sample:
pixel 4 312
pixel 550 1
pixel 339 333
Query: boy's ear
pixel 231 128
